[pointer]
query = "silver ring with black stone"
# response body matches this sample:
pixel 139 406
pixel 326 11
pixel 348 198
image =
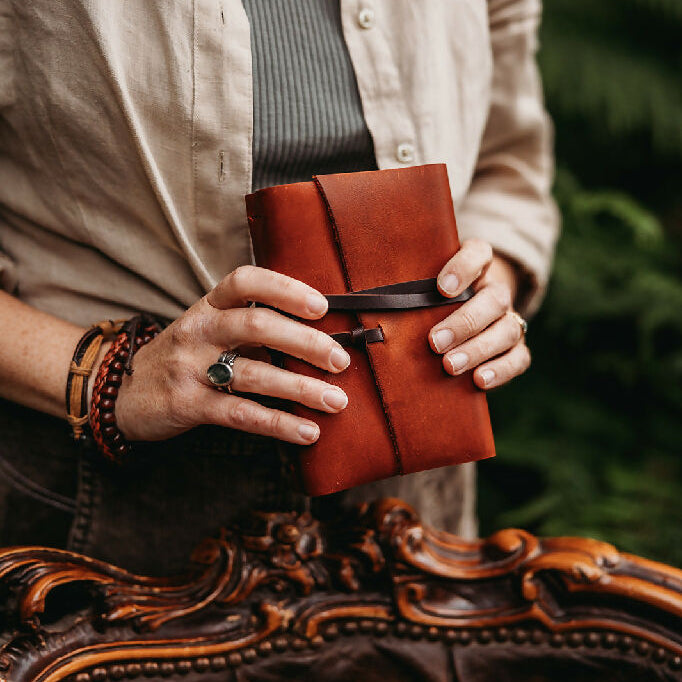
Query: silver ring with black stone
pixel 221 373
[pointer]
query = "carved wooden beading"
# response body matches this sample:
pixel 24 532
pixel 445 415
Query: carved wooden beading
pixel 285 585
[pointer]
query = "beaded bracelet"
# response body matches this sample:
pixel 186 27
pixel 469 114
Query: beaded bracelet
pixel 134 334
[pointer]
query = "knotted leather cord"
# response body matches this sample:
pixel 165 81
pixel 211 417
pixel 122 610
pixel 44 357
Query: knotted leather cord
pixel 359 337
pixel 418 293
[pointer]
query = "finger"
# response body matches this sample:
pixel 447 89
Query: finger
pixel 487 305
pixel 264 327
pixel 250 283
pixel 467 265
pixel 238 413
pixel 500 370
pixel 251 376
pixel 493 341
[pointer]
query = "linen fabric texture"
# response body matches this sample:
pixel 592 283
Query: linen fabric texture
pixel 126 139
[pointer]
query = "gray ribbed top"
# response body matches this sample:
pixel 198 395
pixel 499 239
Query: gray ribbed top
pixel 307 114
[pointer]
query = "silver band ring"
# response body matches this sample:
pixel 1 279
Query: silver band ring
pixel 521 321
pixel 221 373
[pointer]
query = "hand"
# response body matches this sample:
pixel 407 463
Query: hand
pixel 169 392
pixel 482 334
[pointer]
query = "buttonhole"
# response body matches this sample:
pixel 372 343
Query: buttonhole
pixel 221 170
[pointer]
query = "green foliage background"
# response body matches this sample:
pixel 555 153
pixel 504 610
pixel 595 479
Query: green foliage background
pixel 589 440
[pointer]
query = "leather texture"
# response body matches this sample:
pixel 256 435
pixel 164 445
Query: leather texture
pixel 350 232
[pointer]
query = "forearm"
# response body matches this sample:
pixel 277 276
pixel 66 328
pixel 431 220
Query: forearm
pixel 35 354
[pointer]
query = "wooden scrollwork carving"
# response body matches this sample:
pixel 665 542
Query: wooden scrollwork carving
pixel 285 585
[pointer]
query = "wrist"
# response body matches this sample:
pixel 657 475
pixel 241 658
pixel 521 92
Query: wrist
pixel 116 364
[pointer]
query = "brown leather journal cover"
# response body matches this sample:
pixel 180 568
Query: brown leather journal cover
pixel 353 231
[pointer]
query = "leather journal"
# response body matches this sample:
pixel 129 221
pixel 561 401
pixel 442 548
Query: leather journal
pixel 373 243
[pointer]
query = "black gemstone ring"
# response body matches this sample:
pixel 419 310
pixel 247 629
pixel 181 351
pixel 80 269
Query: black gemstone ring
pixel 221 373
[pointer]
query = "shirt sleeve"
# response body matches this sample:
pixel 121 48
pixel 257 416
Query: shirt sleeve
pixel 509 202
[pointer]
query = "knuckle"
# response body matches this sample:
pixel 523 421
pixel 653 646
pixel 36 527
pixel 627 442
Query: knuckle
pixel 181 331
pixel 511 365
pixel 315 344
pixel 303 389
pixel 472 243
pixel 255 322
pixel 276 422
pixel 226 327
pixel 516 363
pixel 481 248
pixel 501 296
pixel 249 374
pixel 241 415
pixel 512 331
pixel 486 251
pixel 527 357
pixel 514 368
pixel 287 286
pixel 483 349
pixel 467 322
pixel 240 278
pixel 179 374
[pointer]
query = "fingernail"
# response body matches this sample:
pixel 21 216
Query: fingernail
pixel 308 432
pixel 442 339
pixel 316 304
pixel 340 359
pixel 458 361
pixel 335 398
pixel 449 284
pixel 487 375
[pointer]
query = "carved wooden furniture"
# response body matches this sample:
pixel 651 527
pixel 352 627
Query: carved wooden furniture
pixel 375 597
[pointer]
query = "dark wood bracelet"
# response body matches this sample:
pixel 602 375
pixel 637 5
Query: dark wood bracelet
pixel 134 334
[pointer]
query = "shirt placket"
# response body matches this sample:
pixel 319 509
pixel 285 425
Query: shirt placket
pixel 221 134
pixel 383 98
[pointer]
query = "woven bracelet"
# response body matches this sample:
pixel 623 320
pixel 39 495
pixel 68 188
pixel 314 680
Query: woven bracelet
pixel 134 334
pixel 80 369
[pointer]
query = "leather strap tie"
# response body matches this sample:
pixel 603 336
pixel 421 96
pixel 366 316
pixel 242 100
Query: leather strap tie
pixel 359 337
pixel 419 293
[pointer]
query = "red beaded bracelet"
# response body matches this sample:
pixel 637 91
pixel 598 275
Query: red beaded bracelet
pixel 134 334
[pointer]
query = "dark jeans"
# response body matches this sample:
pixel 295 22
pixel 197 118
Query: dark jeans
pixel 146 516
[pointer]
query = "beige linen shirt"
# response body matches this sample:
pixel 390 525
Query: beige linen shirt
pixel 126 128
pixel 125 138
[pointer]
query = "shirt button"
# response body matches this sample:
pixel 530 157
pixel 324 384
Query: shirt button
pixel 366 18
pixel 405 152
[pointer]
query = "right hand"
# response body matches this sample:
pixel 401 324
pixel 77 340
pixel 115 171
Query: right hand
pixel 169 392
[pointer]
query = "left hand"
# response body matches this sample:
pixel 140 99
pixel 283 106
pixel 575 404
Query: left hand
pixel 482 334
